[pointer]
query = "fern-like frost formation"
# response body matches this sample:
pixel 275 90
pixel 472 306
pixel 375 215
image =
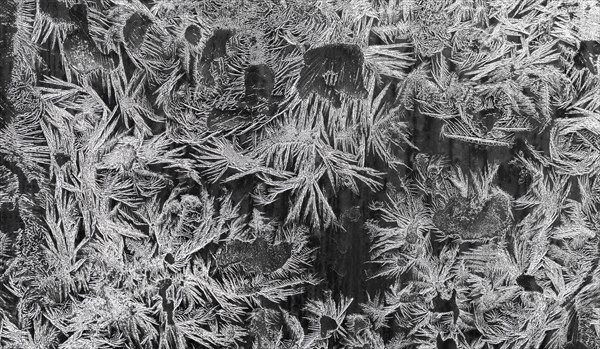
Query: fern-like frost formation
pixel 299 174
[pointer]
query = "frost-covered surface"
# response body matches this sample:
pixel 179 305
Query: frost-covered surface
pixel 299 174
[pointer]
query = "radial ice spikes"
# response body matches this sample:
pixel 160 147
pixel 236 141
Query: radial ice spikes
pixel 124 213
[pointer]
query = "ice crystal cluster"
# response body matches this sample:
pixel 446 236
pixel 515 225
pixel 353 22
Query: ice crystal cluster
pixel 299 174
